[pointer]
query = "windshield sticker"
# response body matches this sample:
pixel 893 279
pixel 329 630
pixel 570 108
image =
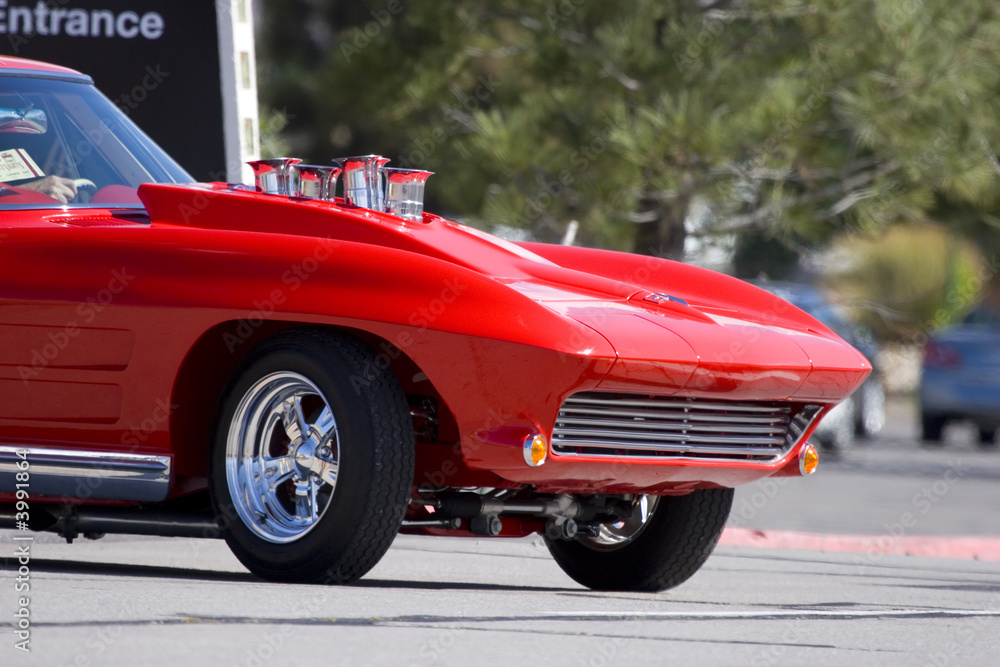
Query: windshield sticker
pixel 16 165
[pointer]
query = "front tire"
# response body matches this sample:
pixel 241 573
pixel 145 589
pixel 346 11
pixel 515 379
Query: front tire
pixel 870 410
pixel 313 459
pixel 839 439
pixel 664 542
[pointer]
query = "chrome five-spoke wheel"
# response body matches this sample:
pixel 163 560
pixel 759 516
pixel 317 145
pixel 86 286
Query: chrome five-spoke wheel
pixel 312 460
pixel 282 456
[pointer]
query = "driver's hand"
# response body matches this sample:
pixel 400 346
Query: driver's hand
pixel 57 187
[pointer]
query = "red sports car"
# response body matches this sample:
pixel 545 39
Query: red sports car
pixel 306 375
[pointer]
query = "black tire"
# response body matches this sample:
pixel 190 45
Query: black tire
pixel 869 412
pixel 987 436
pixel 333 517
pixel 665 551
pixel 840 440
pixel 931 428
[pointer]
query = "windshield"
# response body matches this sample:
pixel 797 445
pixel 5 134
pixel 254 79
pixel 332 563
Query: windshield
pixel 63 144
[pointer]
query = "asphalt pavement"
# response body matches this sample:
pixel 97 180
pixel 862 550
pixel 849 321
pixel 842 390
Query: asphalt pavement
pixel 134 601
pixel 880 485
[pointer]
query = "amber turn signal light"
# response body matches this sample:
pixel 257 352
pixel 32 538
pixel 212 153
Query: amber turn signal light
pixel 535 450
pixel 808 459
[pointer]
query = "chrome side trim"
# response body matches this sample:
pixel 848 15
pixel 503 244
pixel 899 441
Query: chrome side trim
pixel 74 473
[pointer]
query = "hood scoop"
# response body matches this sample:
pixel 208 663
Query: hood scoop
pixel 662 303
pixel 368 183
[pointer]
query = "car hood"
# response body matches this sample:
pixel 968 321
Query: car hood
pixel 673 327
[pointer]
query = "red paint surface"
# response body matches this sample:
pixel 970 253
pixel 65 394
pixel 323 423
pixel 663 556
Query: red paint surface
pixel 146 312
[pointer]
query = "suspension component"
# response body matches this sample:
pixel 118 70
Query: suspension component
pixel 561 529
pixel 488 525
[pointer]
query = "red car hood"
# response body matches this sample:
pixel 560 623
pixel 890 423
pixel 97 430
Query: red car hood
pixel 673 327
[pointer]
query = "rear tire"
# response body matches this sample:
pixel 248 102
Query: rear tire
pixel 313 459
pixel 931 428
pixel 987 436
pixel 660 551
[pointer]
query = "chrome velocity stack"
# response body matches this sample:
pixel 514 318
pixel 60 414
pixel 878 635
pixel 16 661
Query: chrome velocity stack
pixel 404 192
pixel 362 178
pixel 274 176
pixel 316 182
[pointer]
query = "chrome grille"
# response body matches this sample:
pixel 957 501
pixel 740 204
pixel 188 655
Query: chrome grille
pixel 641 426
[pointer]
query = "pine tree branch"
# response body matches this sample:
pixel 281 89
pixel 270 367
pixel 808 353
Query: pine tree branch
pixel 848 189
pixel 628 82
pixel 790 175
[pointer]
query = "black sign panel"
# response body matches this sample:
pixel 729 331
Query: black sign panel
pixel 158 60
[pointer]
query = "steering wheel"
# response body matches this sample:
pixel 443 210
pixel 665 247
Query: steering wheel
pixel 85 189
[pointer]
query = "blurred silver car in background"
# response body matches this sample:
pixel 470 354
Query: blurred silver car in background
pixel 864 414
pixel 960 377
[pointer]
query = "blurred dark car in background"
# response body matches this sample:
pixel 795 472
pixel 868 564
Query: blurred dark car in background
pixel 960 377
pixel 864 414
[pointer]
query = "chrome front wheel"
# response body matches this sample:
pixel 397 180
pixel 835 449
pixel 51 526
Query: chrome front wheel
pixel 282 456
pixel 313 459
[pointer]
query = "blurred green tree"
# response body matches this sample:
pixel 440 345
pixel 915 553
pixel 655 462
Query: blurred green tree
pixel 649 122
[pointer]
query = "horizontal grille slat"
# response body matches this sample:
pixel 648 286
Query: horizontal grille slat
pixel 670 437
pixel 658 427
pixel 707 449
pixel 688 404
pixel 692 416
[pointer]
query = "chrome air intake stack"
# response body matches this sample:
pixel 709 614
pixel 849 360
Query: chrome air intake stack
pixel 368 183
pixel 404 192
pixel 274 176
pixel 316 182
pixel 363 181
